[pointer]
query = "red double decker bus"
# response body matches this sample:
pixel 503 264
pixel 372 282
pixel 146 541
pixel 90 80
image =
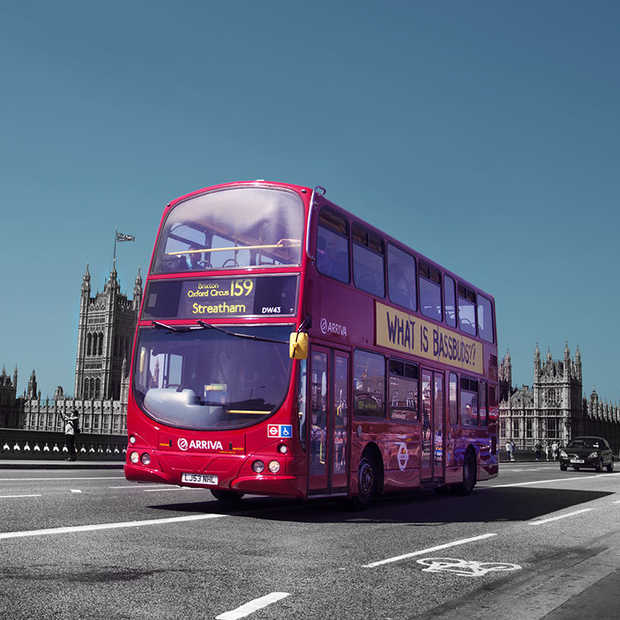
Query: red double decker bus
pixel 286 347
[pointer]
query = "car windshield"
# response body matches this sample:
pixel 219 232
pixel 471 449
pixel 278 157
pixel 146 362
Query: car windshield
pixel 229 228
pixel 585 442
pixel 206 379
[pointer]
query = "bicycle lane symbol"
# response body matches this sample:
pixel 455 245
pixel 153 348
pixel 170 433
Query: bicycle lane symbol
pixel 464 568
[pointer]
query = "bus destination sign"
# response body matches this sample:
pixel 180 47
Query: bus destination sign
pixel 221 297
pixel 410 334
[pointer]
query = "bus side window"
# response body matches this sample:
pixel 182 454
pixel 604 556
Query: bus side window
pixel 452 395
pixel 467 310
pixel 401 277
pixel 485 319
pixel 332 246
pixel 369 384
pixel 449 297
pixel 469 402
pixel 482 402
pixel 368 271
pixel 404 389
pixel 430 290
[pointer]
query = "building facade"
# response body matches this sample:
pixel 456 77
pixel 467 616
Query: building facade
pixel 9 403
pixel 105 336
pixel 553 409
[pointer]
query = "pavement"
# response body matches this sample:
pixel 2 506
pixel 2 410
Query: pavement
pixel 56 464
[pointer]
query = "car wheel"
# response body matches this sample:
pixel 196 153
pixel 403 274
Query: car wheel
pixel 563 467
pixel 469 475
pixel 226 497
pixel 610 466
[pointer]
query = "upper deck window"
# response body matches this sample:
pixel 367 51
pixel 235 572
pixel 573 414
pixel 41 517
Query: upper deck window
pixel 467 309
pixel 230 228
pixel 449 300
pixel 401 277
pixel 368 250
pixel 430 290
pixel 485 319
pixel 332 246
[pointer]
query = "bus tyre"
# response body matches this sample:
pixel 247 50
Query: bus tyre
pixel 366 483
pixel 469 475
pixel 226 497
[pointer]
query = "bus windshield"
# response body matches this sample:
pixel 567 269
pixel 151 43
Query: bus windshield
pixel 230 228
pixel 206 379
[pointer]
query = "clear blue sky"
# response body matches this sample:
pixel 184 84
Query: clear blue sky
pixel 484 134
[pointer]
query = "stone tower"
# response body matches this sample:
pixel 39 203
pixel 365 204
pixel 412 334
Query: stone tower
pixel 505 378
pixel 105 334
pixel 557 394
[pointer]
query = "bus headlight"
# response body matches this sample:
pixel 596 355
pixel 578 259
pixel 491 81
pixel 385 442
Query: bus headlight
pixel 274 467
pixel 134 457
pixel 282 448
pixel 146 459
pixel 258 467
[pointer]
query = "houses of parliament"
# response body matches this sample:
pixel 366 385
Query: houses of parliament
pixel 106 328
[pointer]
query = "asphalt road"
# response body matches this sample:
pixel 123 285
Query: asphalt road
pixel 534 543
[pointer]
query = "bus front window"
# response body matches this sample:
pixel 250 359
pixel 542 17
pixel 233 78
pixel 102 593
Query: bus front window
pixel 230 228
pixel 205 379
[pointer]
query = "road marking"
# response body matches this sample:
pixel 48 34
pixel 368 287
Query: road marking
pixel 405 556
pixel 618 502
pixel 570 514
pixel 39 479
pixel 252 606
pixel 107 526
pixel 142 486
pixel 75 491
pixel 522 484
pixel 464 568
pixel 156 490
pixel 14 496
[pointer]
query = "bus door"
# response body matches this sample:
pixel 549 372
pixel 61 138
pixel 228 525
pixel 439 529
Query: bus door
pixel 329 422
pixel 433 426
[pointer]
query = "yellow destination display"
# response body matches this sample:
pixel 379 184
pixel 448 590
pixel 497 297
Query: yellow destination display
pixel 407 333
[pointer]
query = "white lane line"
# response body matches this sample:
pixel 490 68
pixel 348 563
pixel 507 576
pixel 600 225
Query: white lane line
pixel 618 502
pixel 252 606
pixel 15 496
pixel 522 484
pixel 405 556
pixel 142 487
pixel 107 526
pixel 75 491
pixel 45 479
pixel 159 490
pixel 570 514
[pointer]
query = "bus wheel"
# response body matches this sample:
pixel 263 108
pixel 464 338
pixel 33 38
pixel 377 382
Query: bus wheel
pixel 469 475
pixel 226 497
pixel 366 483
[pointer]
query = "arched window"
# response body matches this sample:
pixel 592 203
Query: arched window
pixel 89 342
pixel 100 344
pixel 85 394
pixel 98 388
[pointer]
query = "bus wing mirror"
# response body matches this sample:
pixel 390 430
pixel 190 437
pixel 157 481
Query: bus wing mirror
pixel 298 346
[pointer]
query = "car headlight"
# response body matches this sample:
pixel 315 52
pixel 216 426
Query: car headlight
pixel 563 454
pixel 593 455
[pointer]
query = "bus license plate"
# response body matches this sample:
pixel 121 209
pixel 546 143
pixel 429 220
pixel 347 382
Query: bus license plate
pixel 199 478
pixel 576 460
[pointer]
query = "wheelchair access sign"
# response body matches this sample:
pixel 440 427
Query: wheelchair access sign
pixel 284 431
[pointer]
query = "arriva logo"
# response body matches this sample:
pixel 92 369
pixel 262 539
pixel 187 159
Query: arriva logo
pixel 198 444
